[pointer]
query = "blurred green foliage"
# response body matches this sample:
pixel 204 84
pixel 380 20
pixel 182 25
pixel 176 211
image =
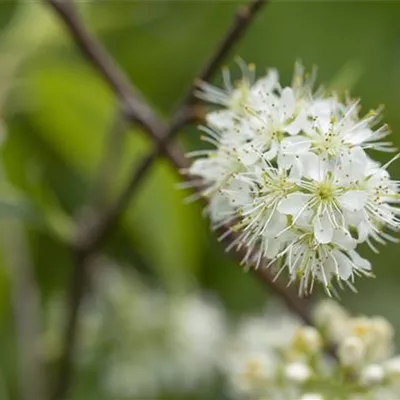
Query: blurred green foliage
pixel 57 113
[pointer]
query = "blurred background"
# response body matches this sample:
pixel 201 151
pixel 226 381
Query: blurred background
pixel 57 113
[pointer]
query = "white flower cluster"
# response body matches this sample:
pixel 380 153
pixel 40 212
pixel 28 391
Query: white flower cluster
pixel 158 343
pixel 289 174
pixel 279 358
pixel 142 343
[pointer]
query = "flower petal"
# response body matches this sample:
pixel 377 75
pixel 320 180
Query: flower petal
pixel 314 167
pixel 219 208
pixel 293 203
pixel 363 229
pixel 288 101
pixel 295 145
pixel 323 229
pixel 273 150
pixel 247 154
pixel 272 247
pixel 239 192
pixel 297 125
pixel 343 238
pixel 221 119
pixel 344 266
pixel 353 200
pixel 277 223
pixel 285 160
pixel 359 261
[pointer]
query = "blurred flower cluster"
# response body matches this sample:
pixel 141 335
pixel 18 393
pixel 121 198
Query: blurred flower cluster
pixel 143 342
pixel 342 357
pixel 289 173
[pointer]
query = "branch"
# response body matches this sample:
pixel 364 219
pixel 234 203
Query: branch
pixel 243 18
pixel 133 106
pixel 135 109
pixel 80 274
pixel 298 306
pixel 294 303
pixel 184 114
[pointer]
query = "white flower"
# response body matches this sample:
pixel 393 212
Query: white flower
pixel 297 372
pixel 311 396
pixel 260 368
pixel 344 130
pixel 326 195
pixel 392 368
pixel 379 210
pixel 254 199
pixel 377 335
pixel 199 332
pixel 372 374
pixel 290 175
pixel 351 351
pixel 281 329
pixel 309 260
pixel 332 320
pixel 250 372
pixel 243 93
pixel 307 340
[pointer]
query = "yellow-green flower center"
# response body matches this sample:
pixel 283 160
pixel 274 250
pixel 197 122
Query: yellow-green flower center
pixel 325 191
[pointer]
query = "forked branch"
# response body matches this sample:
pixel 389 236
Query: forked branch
pixel 136 110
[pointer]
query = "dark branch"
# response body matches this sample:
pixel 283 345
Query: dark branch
pixel 133 106
pixel 135 110
pixel 94 237
pixel 184 114
pixel 243 18
pixel 297 305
